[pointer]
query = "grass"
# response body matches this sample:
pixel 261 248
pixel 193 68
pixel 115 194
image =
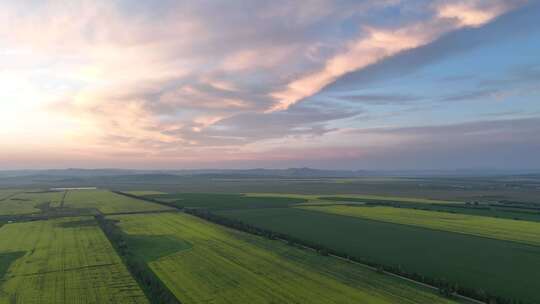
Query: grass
pixel 108 202
pixel 226 266
pixel 502 268
pixel 224 201
pixel 64 262
pixel 503 229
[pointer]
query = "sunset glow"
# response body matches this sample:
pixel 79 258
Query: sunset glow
pixel 173 84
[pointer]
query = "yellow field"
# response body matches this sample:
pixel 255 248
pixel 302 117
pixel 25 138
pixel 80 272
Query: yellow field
pixel 65 261
pixel 108 202
pixel 227 266
pixel 497 228
pixel 317 198
pixel 399 199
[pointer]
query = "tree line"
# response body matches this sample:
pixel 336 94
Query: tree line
pixel 446 288
pixel 152 286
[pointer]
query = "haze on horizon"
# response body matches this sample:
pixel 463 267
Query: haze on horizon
pixel 234 84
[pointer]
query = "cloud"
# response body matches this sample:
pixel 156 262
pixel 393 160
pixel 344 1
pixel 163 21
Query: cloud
pixel 509 143
pixel 183 79
pixel 472 13
pixel 380 99
pixel 376 44
pixel 297 121
pixel 511 25
pixel 467 96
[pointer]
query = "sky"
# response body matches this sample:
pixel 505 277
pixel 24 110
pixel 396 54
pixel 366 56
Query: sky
pixel 341 84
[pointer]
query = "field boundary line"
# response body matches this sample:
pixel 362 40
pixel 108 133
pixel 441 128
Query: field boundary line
pixel 141 198
pixel 375 269
pixel 62 201
pixel 426 228
pixel 345 259
pixel 154 289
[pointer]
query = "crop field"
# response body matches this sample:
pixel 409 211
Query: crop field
pixel 108 202
pixel 508 269
pixel 382 198
pixel 65 260
pixel 7 193
pixel 213 264
pixel 17 203
pixel 316 199
pixel 414 203
pixel 503 229
pixel 53 251
pixel 145 192
pixel 224 201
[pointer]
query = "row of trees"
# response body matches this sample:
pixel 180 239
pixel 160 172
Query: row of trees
pixel 153 287
pixel 445 288
pixel 148 199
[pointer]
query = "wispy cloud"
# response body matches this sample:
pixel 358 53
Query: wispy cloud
pixel 220 79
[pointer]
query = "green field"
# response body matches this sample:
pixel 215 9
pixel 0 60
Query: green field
pixel 219 265
pixel 108 202
pixel 383 198
pixel 503 229
pixel 507 269
pixel 485 209
pixel 224 201
pixel 145 192
pixel 6 193
pixel 66 260
pixel 29 202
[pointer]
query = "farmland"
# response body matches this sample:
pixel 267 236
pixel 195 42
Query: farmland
pixel 224 201
pixel 507 269
pixel 61 242
pixel 509 210
pixel 62 261
pixel 502 229
pixel 219 265
pixel 108 202
pixel 17 202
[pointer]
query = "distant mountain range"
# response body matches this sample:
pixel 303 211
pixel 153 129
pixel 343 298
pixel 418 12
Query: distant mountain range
pixel 258 172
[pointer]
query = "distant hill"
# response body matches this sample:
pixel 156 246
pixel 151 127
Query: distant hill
pixel 290 172
pixel 75 173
